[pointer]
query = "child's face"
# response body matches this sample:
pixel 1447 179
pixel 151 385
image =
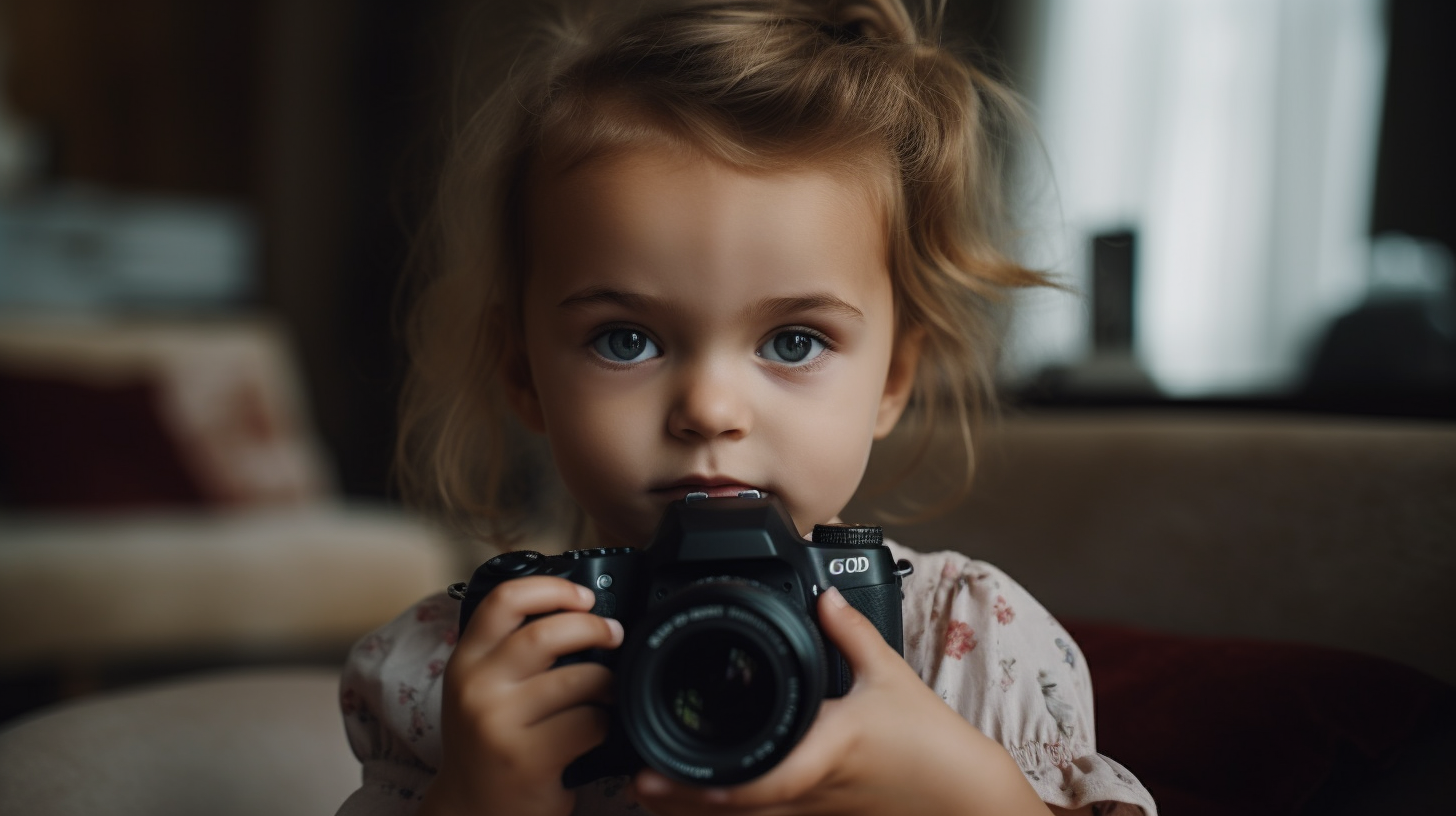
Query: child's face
pixel 689 327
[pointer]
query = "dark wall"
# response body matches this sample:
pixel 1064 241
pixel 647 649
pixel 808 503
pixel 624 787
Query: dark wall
pixel 351 106
pixel 156 95
pixel 1415 188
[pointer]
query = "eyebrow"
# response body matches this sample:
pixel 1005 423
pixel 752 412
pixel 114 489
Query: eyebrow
pixel 774 307
pixel 769 307
pixel 607 296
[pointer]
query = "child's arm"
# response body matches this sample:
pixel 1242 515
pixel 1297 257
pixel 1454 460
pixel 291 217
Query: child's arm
pixel 510 722
pixel 889 746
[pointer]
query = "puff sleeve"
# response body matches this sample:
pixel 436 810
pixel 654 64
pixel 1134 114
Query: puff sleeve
pixel 390 696
pixel 1003 662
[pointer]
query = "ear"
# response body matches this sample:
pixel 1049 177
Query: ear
pixel 521 390
pixel 899 381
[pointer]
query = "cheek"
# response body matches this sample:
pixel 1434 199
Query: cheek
pixel 592 430
pixel 859 400
pixel 847 438
pixel 826 449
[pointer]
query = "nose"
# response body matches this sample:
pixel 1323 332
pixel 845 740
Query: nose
pixel 710 403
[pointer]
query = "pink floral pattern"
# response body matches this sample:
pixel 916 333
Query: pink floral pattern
pixel 419 724
pixel 960 640
pixel 408 694
pixel 1004 613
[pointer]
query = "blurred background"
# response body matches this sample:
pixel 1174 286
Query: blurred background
pixel 205 209
pixel 1247 198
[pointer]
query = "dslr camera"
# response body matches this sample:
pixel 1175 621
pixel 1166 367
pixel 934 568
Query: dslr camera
pixel 723 666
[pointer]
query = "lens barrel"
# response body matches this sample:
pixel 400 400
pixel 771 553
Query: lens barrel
pixel 718 682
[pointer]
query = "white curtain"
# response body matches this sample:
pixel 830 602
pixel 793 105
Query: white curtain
pixel 1237 138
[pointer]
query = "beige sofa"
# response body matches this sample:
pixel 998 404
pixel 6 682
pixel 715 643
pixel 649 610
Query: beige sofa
pixel 169 505
pixel 1323 530
pixel 1338 532
pixel 240 743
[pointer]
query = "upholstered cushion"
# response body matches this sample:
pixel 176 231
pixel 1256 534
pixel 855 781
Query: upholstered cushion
pixel 1322 530
pixel 84 590
pixel 234 744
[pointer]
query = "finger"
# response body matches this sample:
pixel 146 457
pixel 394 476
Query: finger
pixel 517 709
pixel 554 691
pixel 664 797
pixel 855 636
pixel 568 734
pixel 509 604
pixel 533 648
pixel 805 768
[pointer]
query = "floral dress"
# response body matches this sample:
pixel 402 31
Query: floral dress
pixel 982 642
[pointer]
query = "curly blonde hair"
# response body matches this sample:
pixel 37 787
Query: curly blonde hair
pixel 860 85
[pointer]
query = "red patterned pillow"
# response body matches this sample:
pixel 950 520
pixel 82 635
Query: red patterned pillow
pixel 69 444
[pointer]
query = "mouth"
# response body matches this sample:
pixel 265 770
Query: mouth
pixel 715 487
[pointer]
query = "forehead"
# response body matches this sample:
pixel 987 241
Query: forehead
pixel 667 218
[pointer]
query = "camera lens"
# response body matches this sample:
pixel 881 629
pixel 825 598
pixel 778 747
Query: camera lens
pixel 720 687
pixel 718 682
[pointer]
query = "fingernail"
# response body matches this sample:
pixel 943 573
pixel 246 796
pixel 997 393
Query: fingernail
pixel 835 598
pixel 587 596
pixel 616 627
pixel 651 784
pixel 715 795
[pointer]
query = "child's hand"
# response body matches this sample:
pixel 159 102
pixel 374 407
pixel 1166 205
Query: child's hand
pixel 510 722
pixel 891 745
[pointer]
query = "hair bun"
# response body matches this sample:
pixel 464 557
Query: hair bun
pixel 885 20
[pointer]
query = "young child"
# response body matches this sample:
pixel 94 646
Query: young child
pixel 718 247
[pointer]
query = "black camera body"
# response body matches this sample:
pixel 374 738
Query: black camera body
pixel 723 666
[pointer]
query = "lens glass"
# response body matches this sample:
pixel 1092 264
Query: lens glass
pixel 719 687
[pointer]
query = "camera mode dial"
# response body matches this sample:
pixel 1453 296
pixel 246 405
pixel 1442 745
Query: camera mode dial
pixel 848 535
pixel 515 564
pixel 597 552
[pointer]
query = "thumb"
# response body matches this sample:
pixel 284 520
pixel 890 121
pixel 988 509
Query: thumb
pixel 857 638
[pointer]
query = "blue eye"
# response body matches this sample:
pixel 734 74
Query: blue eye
pixel 625 346
pixel 794 347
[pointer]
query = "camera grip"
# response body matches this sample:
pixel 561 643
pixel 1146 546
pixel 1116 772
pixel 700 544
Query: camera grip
pixel 881 604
